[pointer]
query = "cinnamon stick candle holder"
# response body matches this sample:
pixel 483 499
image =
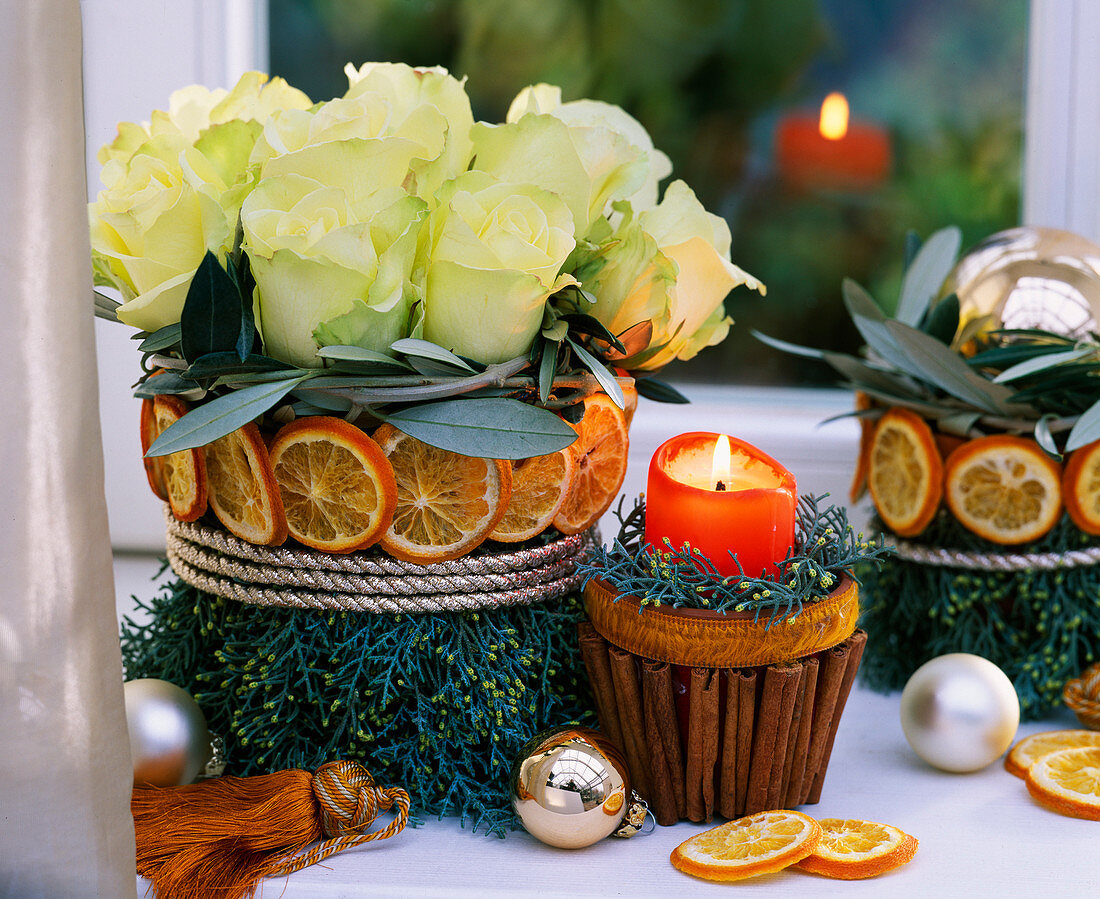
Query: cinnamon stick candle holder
pixel 732 709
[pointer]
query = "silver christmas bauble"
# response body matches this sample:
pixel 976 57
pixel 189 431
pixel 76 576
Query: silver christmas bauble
pixel 570 787
pixel 169 741
pixel 959 712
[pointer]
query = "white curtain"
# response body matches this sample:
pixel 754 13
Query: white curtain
pixel 65 770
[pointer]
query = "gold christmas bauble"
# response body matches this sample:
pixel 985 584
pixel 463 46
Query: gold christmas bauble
pixel 570 787
pixel 1030 278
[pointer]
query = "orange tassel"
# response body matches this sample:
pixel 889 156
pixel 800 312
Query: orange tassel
pixel 219 838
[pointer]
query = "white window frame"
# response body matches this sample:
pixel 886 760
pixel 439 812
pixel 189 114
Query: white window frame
pixel 138 51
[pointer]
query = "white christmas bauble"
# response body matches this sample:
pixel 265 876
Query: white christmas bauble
pixel 169 741
pixel 959 712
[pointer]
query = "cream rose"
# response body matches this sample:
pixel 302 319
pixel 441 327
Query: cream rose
pixel 387 130
pixel 587 167
pixel 596 115
pixel 152 227
pixel 670 267
pixel 329 268
pixel 492 254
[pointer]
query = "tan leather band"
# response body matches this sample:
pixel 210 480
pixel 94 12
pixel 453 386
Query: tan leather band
pixel 707 639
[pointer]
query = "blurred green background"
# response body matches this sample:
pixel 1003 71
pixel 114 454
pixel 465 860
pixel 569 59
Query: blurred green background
pixel 710 79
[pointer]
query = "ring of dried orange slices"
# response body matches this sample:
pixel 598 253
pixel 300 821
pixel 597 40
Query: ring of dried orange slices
pixel 332 487
pixel 1004 488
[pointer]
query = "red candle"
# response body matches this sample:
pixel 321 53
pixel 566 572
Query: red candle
pixel 829 150
pixel 721 495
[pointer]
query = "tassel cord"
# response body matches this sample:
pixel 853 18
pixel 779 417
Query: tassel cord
pixel 349 802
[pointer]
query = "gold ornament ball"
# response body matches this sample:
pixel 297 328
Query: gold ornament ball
pixel 1030 278
pixel 959 712
pixel 169 741
pixel 570 787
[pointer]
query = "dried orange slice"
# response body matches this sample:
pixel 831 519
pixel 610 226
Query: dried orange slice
pixel 1081 488
pixel 447 504
pixel 1068 781
pixel 241 487
pixel 854 850
pixel 904 472
pixel 630 401
pixel 154 465
pixel 858 489
pixel 758 844
pixel 337 488
pixel 185 471
pixel 1003 488
pixel 539 487
pixel 1030 749
pixel 599 453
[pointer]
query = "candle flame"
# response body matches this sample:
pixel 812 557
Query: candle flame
pixel 834 117
pixel 720 467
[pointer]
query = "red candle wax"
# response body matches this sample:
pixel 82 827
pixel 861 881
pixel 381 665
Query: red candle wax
pixel 829 150
pixel 751 513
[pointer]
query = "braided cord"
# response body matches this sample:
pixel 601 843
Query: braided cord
pixel 349 802
pixel 956 558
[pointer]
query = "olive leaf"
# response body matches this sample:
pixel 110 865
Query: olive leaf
pixel 425 349
pixel 494 428
pixel 607 380
pixel 929 269
pixel 359 354
pixel 930 360
pixel 221 416
pixel 1042 363
pixel 162 339
pixel 1086 430
pixel 213 313
pixel 652 389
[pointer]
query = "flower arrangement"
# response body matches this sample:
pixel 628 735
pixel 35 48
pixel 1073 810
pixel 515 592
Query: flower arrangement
pixel 981 452
pixel 379 252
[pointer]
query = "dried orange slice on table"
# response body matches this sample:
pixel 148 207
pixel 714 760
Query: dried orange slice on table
pixel 858 488
pixel 241 487
pixel 1030 749
pixel 599 453
pixel 337 488
pixel 539 487
pixel 1081 488
pixel 154 465
pixel 904 472
pixel 1068 781
pixel 854 850
pixel 184 471
pixel 758 844
pixel 1003 488
pixel 447 504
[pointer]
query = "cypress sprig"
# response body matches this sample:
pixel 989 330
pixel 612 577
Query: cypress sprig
pixel 826 548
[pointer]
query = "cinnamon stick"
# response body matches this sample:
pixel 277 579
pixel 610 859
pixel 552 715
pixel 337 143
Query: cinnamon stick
pixel 798 752
pixel 830 677
pixel 772 698
pixel 746 722
pixel 787 758
pixel 856 643
pixel 727 769
pixel 792 682
pixel 594 649
pixel 628 698
pixel 702 743
pixel 663 739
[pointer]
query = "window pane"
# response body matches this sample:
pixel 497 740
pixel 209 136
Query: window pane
pixel 731 90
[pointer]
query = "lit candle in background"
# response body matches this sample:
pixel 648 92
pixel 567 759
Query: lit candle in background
pixel 831 150
pixel 721 495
